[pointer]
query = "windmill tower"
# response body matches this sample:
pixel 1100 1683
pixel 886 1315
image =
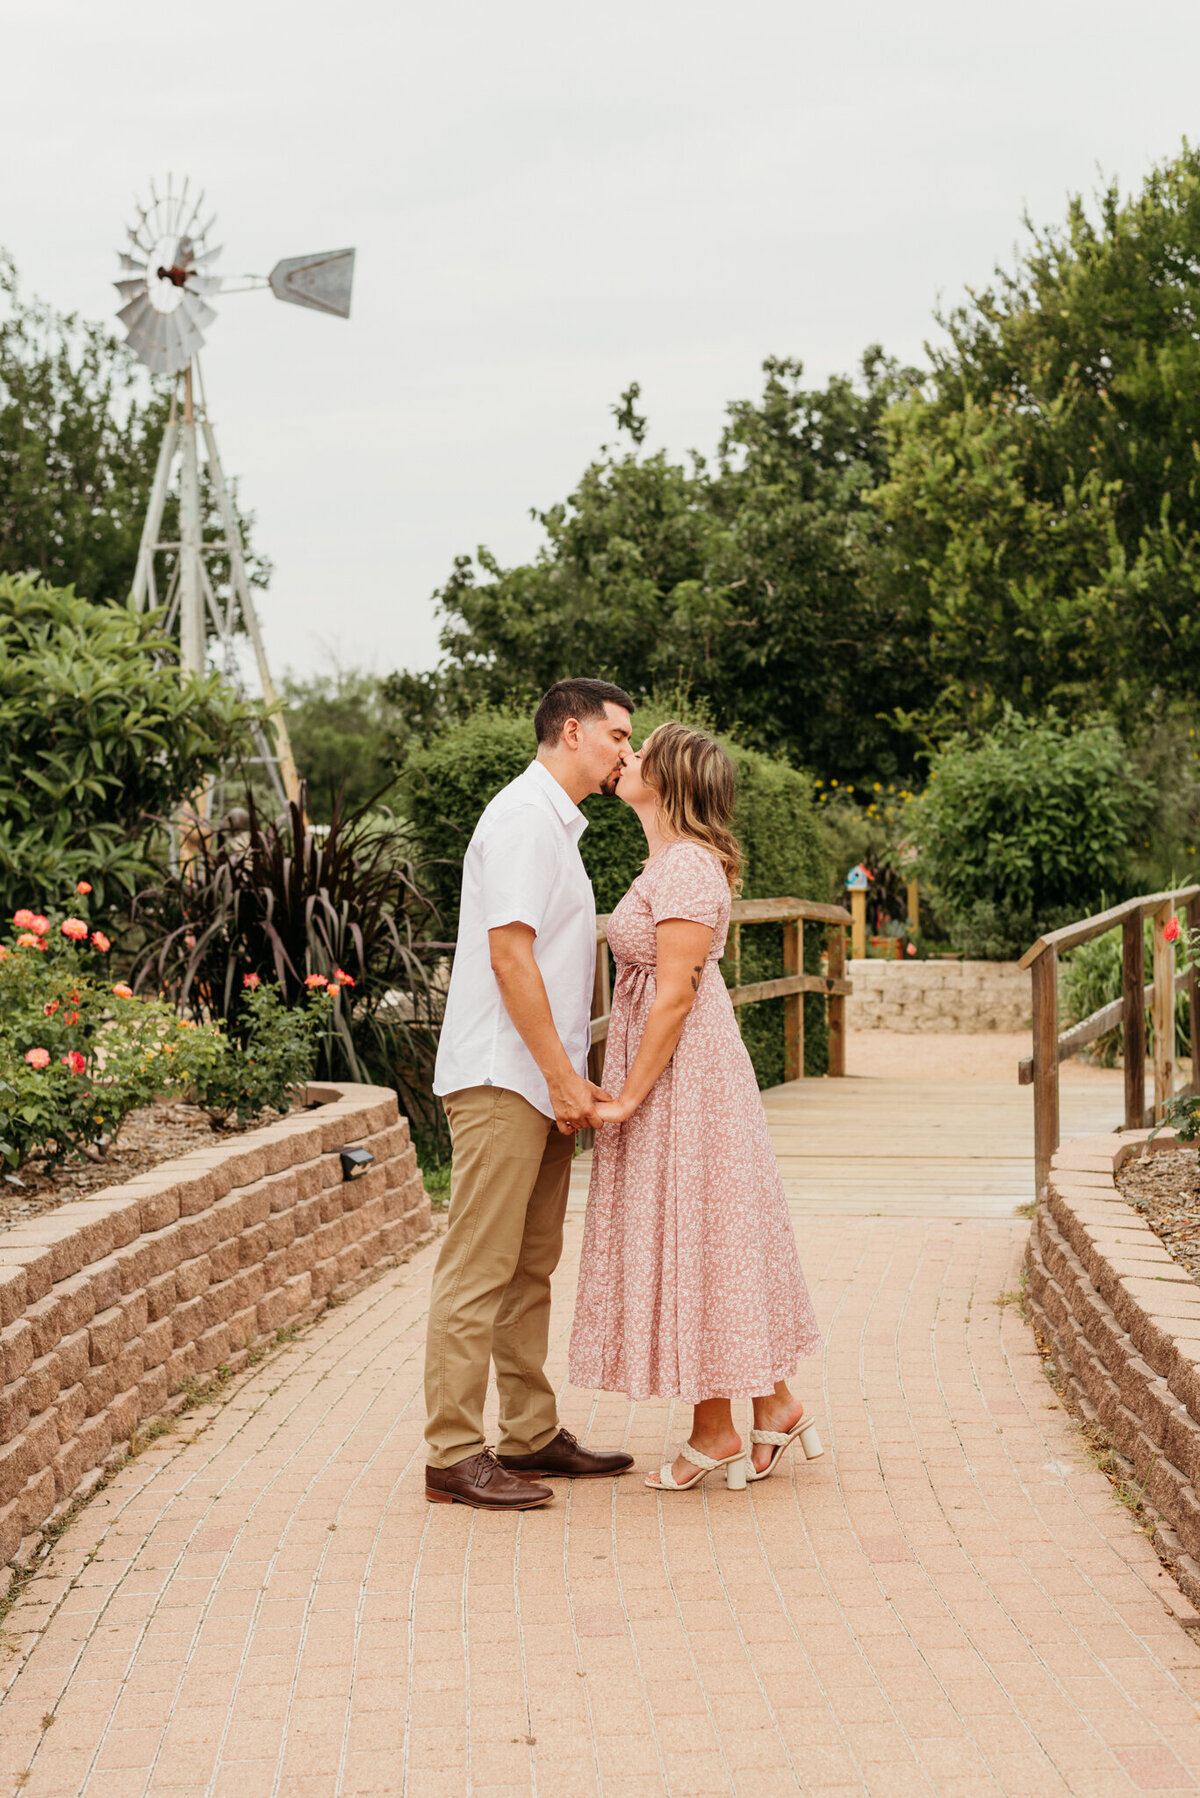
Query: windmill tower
pixel 166 282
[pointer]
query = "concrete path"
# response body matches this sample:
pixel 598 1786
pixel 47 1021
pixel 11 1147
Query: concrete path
pixel 950 1602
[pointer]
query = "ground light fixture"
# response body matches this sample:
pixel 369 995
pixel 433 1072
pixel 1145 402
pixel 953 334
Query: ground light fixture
pixel 355 1163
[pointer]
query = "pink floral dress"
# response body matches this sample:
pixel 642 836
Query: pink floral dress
pixel 690 1286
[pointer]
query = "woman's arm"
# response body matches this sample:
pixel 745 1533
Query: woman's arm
pixel 682 950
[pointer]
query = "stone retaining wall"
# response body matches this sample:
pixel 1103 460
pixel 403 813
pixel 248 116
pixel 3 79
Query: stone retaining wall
pixel 1123 1320
pixel 967 996
pixel 111 1306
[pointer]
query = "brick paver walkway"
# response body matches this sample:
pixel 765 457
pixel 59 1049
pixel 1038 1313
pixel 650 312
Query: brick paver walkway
pixel 949 1603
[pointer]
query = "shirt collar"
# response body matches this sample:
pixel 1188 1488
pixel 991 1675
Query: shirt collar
pixel 565 807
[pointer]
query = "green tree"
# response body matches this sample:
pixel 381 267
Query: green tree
pixel 99 739
pixel 344 733
pixel 747 584
pixel 1043 500
pixel 79 436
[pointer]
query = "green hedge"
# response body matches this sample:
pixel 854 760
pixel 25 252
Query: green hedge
pixel 451 779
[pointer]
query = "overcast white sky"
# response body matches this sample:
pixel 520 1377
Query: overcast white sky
pixel 549 200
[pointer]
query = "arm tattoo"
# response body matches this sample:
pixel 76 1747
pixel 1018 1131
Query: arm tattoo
pixel 696 973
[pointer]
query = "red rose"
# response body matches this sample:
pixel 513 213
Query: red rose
pixel 74 1060
pixel 1171 933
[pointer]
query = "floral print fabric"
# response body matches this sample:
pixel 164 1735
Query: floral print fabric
pixel 690 1285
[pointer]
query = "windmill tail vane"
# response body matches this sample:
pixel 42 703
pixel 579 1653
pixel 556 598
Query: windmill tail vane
pixel 166 281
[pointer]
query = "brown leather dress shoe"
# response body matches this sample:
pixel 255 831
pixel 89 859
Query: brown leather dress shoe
pixel 481 1481
pixel 563 1455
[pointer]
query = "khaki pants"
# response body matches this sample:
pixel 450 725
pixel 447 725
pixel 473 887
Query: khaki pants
pixel 491 1287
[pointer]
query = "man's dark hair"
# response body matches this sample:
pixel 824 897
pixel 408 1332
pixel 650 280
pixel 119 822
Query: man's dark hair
pixel 582 699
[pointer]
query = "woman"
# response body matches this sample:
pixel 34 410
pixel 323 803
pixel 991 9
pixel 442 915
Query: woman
pixel 690 1286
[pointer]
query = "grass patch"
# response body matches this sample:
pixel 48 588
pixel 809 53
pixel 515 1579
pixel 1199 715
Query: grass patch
pixel 435 1172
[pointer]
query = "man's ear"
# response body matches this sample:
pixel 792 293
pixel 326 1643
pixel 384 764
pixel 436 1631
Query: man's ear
pixel 570 733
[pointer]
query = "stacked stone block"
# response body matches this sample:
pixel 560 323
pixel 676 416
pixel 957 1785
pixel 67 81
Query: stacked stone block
pixel 972 997
pixel 1123 1320
pixel 111 1306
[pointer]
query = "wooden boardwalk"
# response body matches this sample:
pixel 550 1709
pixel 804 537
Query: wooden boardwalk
pixel 933 1142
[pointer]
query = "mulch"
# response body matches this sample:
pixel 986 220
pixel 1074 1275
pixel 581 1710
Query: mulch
pixel 1165 1189
pixel 147 1137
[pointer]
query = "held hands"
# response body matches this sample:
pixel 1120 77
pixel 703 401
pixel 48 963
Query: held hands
pixel 615 1111
pixel 577 1104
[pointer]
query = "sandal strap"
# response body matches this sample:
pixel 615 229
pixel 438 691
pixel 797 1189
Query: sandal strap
pixel 776 1438
pixel 669 1483
pixel 697 1458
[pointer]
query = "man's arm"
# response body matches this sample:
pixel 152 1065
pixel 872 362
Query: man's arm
pixel 524 994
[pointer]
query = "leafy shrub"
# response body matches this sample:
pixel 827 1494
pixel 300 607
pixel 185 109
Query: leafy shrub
pixel 99 732
pixel 451 779
pixel 275 901
pixel 78 1053
pixel 275 1058
pixel 1024 828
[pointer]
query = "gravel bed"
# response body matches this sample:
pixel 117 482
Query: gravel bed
pixel 1165 1188
pixel 147 1137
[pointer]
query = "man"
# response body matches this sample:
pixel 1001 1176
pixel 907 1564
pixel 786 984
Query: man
pixel 511 1072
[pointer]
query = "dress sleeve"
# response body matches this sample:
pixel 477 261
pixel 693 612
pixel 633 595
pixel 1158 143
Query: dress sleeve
pixel 519 868
pixel 688 884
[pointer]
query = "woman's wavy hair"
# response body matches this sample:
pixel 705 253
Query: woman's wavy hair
pixel 692 778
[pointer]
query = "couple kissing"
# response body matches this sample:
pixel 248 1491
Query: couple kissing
pixel 690 1286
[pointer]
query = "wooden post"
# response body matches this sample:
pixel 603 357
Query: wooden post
pixel 601 1005
pixel 1045 1065
pixel 1193 988
pixel 793 1005
pixel 858 911
pixel 1133 1019
pixel 1163 1011
pixel 734 951
pixel 914 906
pixel 837 1001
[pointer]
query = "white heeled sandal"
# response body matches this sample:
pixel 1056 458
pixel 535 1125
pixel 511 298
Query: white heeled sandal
pixel 805 1433
pixel 735 1471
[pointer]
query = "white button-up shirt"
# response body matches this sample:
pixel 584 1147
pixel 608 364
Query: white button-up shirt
pixel 522 866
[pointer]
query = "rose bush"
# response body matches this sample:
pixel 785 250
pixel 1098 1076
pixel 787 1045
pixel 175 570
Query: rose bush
pixel 79 1052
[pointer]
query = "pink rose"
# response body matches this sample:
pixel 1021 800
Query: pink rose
pixel 1171 933
pixel 314 981
pixel 84 886
pixel 49 1010
pixel 341 975
pixel 101 942
pixel 122 991
pixel 911 950
pixel 38 1058
pixel 40 925
pixel 23 918
pixel 75 928
pixel 74 1060
pixel 251 981
pixel 27 940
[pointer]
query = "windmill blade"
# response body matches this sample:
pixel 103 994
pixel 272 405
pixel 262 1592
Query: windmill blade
pixel 322 281
pixel 137 310
pixel 199 315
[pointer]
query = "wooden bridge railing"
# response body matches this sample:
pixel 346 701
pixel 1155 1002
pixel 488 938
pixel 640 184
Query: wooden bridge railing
pixel 793 914
pixel 1050 1046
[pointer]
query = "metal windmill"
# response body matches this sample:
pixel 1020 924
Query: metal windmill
pixel 166 282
